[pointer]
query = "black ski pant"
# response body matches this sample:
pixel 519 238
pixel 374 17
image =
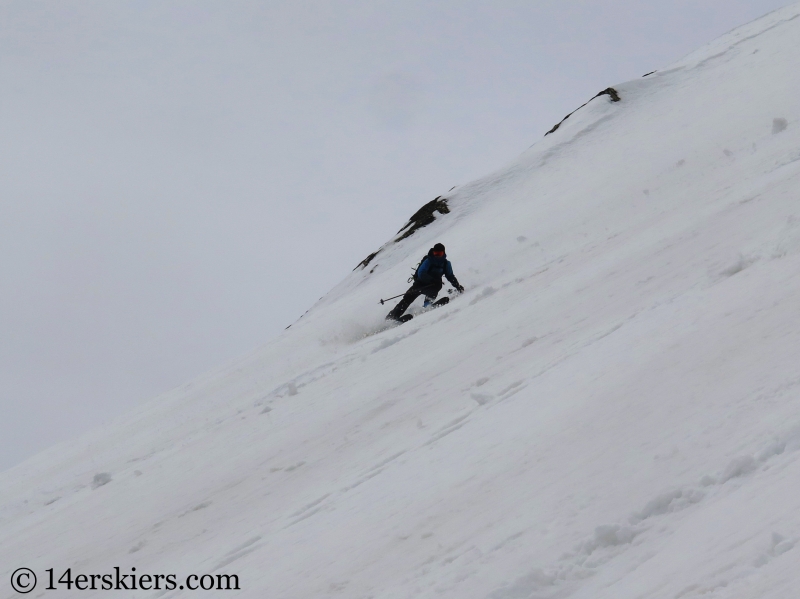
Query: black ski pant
pixel 430 290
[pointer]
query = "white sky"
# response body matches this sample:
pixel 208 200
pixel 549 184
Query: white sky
pixel 181 180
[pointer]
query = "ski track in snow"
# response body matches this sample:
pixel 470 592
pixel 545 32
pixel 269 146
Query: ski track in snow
pixel 610 410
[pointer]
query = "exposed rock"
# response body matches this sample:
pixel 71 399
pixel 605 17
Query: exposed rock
pixel 367 260
pixel 421 218
pixel 610 91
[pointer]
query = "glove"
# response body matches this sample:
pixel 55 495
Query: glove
pixel 460 288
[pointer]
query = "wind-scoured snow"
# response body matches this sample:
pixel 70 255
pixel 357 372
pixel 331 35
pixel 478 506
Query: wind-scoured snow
pixel 612 409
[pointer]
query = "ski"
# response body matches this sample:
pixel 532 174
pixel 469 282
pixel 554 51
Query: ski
pixel 439 303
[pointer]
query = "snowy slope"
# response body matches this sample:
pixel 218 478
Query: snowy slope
pixel 611 410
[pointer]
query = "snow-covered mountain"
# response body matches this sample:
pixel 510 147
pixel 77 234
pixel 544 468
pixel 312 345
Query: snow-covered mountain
pixel 612 409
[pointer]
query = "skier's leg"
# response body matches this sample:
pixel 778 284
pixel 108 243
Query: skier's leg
pixel 431 291
pixel 410 295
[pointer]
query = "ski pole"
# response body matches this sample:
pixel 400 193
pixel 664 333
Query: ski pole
pixel 391 298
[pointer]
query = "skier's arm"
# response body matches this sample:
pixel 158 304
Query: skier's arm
pixel 448 272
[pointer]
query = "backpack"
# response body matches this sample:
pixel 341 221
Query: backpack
pixel 413 278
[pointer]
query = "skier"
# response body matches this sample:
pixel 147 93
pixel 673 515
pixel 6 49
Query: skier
pixel 427 282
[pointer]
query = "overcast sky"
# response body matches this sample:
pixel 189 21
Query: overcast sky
pixel 179 181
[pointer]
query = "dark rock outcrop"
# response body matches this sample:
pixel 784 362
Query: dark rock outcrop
pixel 421 218
pixel 367 260
pixel 609 91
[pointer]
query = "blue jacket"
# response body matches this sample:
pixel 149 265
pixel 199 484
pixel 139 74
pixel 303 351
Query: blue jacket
pixel 431 270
